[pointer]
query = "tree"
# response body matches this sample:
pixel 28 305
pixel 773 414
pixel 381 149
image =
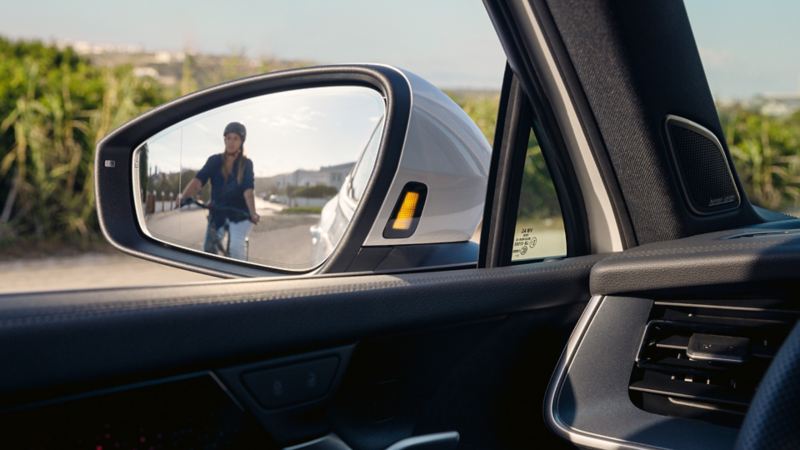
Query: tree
pixel 766 154
pixel 55 107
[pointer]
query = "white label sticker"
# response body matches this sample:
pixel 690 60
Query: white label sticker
pixel 524 242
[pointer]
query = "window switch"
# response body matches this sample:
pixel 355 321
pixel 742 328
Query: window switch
pixel 293 384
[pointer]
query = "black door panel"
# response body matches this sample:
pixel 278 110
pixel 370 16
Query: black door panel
pixel 182 413
pixel 468 351
pixel 486 380
pixel 77 336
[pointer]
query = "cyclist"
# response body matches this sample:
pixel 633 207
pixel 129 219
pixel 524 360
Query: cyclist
pixel 232 198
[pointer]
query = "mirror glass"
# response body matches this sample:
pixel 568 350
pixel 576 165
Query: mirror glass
pixel 273 180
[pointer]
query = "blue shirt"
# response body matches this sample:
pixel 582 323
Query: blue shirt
pixel 230 193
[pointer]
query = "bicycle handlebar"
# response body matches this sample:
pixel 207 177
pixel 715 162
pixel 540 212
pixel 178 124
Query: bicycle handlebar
pixel 191 200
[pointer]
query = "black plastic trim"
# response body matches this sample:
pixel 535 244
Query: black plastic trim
pixel 685 123
pixel 84 338
pixel 295 422
pixel 709 265
pixel 548 133
pixel 508 160
pixel 492 222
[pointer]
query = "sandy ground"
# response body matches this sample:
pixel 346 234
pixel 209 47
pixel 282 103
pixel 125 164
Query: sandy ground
pixel 96 270
pixel 280 240
pixel 92 270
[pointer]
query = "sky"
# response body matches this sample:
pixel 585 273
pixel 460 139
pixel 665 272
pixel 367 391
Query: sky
pixel 748 47
pixel 449 42
pixel 301 129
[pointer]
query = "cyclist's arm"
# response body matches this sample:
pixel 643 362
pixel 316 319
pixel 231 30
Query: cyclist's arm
pixel 248 183
pixel 249 198
pixel 192 188
pixel 212 165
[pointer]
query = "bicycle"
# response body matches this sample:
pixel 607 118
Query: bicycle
pixel 217 241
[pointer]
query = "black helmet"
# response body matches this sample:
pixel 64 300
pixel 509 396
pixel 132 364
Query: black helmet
pixel 238 128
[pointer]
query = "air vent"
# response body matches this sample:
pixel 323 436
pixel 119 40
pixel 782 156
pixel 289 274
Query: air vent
pixel 705 362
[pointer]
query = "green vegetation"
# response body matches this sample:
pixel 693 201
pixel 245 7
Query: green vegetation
pixel 55 106
pixel 766 152
pixel 302 210
pixel 538 200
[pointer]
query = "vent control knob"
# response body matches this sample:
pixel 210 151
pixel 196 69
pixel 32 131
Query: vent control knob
pixel 717 348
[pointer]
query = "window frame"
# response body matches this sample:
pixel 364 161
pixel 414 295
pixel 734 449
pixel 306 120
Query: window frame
pixel 518 117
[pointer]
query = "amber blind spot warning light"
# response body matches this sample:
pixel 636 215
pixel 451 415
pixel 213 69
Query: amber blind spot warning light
pixel 407 211
pixel 406 214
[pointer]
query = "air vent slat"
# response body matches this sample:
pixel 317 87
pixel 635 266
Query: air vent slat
pixel 692 391
pixel 676 342
pixel 732 349
pixel 671 365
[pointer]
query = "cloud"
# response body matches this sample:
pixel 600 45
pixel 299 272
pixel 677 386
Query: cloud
pixel 303 118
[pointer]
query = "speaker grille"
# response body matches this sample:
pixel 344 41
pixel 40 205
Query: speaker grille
pixel 702 167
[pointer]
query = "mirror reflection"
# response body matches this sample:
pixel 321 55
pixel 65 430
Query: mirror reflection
pixel 273 179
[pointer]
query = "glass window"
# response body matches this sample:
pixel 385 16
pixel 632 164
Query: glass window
pixel 747 53
pixel 65 84
pixel 363 169
pixel 539 231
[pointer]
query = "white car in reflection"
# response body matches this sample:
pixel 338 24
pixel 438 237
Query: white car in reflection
pixel 446 153
pixel 333 221
pixel 339 210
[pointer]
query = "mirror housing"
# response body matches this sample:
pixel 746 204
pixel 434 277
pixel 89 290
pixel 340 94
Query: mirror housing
pixel 426 139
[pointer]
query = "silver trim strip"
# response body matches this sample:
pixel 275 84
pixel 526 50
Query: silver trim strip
pixel 442 441
pixel 579 437
pixel 724 307
pixel 699 405
pixel 328 442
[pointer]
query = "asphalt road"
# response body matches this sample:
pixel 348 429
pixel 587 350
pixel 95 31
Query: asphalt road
pixel 278 240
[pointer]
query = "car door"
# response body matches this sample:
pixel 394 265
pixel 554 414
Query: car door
pixel 441 358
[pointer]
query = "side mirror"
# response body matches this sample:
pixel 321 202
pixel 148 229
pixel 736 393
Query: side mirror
pixel 329 169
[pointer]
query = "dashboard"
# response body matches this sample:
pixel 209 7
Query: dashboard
pixel 675 340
